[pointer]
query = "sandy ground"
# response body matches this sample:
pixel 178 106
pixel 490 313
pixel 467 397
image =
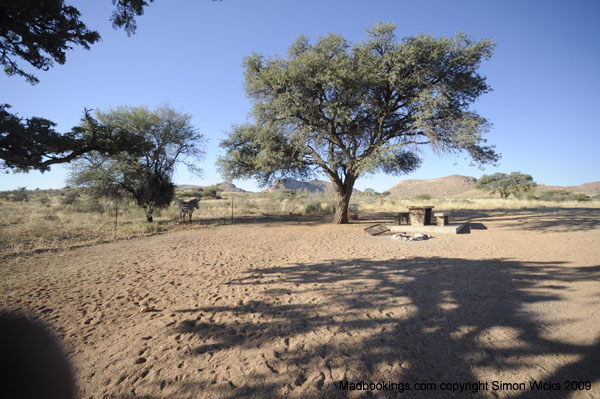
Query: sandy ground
pixel 290 309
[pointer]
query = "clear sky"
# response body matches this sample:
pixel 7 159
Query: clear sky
pixel 188 53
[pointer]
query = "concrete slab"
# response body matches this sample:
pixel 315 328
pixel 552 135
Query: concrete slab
pixel 450 229
pixel 377 229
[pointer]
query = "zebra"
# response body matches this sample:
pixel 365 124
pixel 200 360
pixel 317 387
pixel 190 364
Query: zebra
pixel 187 208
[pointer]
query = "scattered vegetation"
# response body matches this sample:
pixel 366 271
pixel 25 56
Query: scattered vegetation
pixel 424 197
pixel 73 217
pixel 562 196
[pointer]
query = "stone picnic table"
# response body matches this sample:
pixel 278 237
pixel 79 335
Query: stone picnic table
pixel 420 215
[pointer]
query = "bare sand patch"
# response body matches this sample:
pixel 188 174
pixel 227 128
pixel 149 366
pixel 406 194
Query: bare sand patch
pixel 288 310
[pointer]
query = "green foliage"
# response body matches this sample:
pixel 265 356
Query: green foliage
pixel 558 195
pixel 424 197
pixel 90 205
pixel 211 192
pixel 39 32
pixel 167 138
pixel 34 144
pixel 69 198
pixel 313 208
pixel 369 192
pixel 581 197
pixel 317 208
pixel 530 196
pixel 287 194
pixel 19 195
pixel 351 110
pixel 125 12
pixel 516 183
pixel 44 199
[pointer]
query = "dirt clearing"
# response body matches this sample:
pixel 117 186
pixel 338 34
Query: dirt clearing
pixel 290 310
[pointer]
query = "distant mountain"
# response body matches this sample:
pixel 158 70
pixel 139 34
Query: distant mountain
pixel 592 188
pixel 223 187
pixel 448 186
pixel 313 186
pixel 458 186
pixel 187 187
pixel 230 188
pixel 589 188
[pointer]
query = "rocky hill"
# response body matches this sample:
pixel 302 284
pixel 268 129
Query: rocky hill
pixel 230 188
pixel 313 186
pixel 458 186
pixel 586 188
pixel 448 186
pixel 223 187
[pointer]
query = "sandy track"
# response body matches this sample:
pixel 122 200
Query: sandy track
pixel 290 309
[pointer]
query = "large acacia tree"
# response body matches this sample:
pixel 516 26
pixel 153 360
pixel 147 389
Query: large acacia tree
pixel 348 110
pixel 516 184
pixel 166 139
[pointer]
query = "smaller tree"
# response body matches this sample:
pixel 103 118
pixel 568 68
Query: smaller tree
pixel 167 137
pixel 516 184
pixel 211 192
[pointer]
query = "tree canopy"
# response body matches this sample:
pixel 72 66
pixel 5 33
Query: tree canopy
pixel 39 32
pixel 347 110
pixel 168 139
pixel 27 144
pixel 516 184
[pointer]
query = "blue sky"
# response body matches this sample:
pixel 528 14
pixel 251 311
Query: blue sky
pixel 188 54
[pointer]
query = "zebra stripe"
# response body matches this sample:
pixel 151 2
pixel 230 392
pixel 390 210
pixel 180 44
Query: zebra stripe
pixel 187 208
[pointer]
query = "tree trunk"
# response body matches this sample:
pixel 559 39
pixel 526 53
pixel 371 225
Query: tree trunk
pixel 344 193
pixel 149 211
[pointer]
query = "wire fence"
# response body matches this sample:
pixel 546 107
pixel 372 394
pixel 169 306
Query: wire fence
pixel 236 207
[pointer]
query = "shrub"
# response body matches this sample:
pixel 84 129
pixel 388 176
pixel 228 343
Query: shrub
pixel 562 195
pixel 319 208
pixel 69 198
pixel 211 192
pixel 530 196
pixel 581 197
pixel 369 192
pixel 423 197
pixel 44 200
pixel 313 208
pixel 90 206
pixel 20 195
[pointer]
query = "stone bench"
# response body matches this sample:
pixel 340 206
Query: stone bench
pixel 402 218
pixel 442 218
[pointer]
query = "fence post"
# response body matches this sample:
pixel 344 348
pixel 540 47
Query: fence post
pixel 116 217
pixel 232 210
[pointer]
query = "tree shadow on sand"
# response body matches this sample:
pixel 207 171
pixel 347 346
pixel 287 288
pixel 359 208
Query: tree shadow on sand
pixel 549 220
pixel 417 320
